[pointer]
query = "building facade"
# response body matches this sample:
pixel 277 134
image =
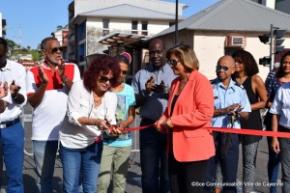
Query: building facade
pixel 90 21
pixel 61 34
pixel 212 33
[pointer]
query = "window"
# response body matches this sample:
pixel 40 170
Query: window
pixel 106 26
pixel 81 53
pixel 134 27
pixel 81 31
pixel 144 28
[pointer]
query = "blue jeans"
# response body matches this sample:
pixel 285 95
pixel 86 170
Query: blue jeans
pixel 154 164
pixel 81 167
pixel 12 139
pixel 227 155
pixel 44 156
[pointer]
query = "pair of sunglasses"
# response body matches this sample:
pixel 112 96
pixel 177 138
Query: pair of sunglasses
pixel 104 79
pixel 222 68
pixel 172 62
pixel 124 72
pixel 56 49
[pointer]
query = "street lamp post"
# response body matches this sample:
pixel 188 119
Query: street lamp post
pixel 176 22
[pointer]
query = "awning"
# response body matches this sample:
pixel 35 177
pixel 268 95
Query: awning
pixel 120 38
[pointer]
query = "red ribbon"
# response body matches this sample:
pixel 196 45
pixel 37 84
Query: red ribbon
pixel 230 130
pixel 137 128
pixel 251 132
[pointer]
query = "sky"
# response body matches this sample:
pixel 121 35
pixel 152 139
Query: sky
pixel 29 21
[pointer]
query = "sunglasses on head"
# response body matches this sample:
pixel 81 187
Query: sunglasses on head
pixel 54 50
pixel 172 62
pixel 222 68
pixel 104 79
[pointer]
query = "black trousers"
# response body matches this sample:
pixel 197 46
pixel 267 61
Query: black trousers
pixel 187 177
pixel 154 162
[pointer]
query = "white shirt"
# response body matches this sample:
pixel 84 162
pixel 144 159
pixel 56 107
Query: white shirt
pixel 48 116
pixel 13 71
pixel 281 105
pixel 81 104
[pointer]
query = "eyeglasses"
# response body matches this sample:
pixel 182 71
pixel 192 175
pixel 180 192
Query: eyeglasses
pixel 54 50
pixel 222 68
pixel 124 72
pixel 105 79
pixel 172 62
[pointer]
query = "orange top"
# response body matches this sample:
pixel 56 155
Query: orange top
pixel 192 113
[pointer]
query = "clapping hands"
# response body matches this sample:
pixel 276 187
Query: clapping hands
pixel 3 89
pixel 233 109
pixel 43 77
pixel 61 67
pixel 14 89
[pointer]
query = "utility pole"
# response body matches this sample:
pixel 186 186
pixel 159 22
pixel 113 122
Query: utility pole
pixel 275 39
pixel 176 23
pixel 272 52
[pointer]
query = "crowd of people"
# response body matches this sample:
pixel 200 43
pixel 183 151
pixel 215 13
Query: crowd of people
pixel 86 120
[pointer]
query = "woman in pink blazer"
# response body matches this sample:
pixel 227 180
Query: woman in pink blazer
pixel 189 112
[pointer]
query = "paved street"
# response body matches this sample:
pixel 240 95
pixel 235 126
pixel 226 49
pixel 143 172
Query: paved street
pixel 134 180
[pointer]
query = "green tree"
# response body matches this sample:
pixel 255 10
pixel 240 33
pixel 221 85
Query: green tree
pixel 36 56
pixel 12 45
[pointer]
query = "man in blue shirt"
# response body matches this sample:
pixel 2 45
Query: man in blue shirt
pixel 231 104
pixel 151 86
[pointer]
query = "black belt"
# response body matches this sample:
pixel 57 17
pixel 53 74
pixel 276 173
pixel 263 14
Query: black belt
pixel 6 124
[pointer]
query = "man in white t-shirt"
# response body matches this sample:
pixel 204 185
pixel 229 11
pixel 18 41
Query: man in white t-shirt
pixel 48 87
pixel 12 76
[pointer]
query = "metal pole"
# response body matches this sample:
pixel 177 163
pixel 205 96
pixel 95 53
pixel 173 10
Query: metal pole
pixel 272 54
pixel 176 22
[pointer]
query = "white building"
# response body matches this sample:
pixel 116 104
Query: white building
pixel 226 26
pixel 91 20
pixel 61 34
